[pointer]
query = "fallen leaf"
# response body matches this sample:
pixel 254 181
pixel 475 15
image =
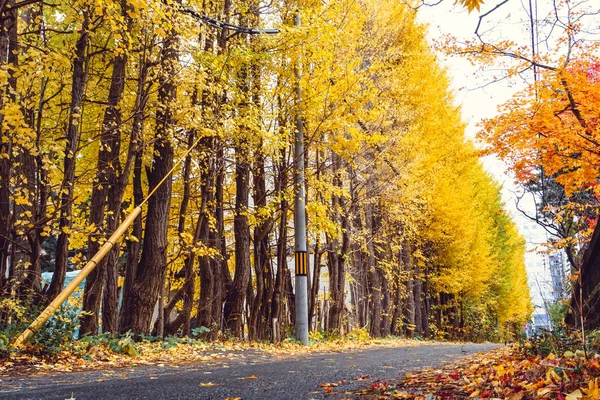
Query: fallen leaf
pixel 574 395
pixel 517 396
pixel 594 364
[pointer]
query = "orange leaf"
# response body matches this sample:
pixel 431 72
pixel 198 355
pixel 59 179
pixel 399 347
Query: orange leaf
pixel 328 385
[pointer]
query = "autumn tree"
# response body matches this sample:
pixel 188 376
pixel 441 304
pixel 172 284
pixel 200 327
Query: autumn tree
pixel 151 104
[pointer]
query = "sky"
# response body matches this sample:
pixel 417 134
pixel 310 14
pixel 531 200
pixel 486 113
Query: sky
pixel 478 100
pixel 473 89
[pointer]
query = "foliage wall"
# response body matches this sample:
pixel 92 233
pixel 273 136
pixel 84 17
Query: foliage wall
pixel 101 98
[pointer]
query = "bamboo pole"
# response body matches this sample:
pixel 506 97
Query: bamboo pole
pixel 89 267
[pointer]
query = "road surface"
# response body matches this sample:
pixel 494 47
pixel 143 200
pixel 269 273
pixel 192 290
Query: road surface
pixel 247 376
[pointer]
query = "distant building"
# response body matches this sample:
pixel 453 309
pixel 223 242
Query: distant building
pixel 546 274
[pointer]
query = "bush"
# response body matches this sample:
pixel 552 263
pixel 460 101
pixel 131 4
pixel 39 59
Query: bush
pixel 316 335
pixel 55 336
pixel 558 312
pixel 59 332
pixel 555 342
pixel 361 334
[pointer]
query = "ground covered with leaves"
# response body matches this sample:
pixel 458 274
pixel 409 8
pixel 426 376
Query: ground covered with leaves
pixel 509 372
pixel 106 352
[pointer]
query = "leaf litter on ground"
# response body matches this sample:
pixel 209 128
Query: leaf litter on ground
pixel 503 373
pixel 171 352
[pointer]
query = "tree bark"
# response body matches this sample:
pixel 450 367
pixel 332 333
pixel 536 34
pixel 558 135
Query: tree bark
pixel 372 271
pixel 260 310
pixel 66 200
pixel 337 252
pixel 8 47
pixel 278 289
pixel 236 295
pixel 426 307
pixel 418 307
pixel 108 168
pixel 136 146
pixel 221 276
pixel 139 304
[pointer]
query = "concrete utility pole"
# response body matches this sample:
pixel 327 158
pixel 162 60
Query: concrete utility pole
pixel 300 255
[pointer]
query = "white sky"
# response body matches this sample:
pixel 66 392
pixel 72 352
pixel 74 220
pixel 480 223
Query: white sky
pixel 479 102
pixel 472 86
pixel 472 89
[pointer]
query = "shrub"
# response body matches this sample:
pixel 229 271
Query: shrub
pixel 59 332
pixel 55 336
pixel 361 334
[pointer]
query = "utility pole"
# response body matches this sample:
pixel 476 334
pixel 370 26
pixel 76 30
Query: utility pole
pixel 300 255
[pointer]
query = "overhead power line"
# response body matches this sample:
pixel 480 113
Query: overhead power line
pixel 215 23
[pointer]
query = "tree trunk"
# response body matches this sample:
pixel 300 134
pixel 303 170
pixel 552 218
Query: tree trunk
pixel 208 272
pixel 221 276
pixel 426 307
pixel 314 290
pixel 234 305
pixel 337 252
pixel 133 246
pixel 183 293
pixel 372 272
pixel 261 307
pixel 40 180
pixel 386 305
pixel 136 147
pixel 278 289
pixel 139 304
pixel 8 56
pixel 27 237
pixel 66 200
pixel 107 170
pixel 418 307
pixel 397 315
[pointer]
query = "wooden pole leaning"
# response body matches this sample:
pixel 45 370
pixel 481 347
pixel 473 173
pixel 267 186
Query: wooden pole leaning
pixel 85 271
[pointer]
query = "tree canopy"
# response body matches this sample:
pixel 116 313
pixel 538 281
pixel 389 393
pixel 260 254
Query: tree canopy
pixel 100 99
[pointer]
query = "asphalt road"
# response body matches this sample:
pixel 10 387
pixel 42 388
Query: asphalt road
pixel 247 376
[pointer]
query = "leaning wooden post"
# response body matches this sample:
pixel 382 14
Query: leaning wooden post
pixel 70 288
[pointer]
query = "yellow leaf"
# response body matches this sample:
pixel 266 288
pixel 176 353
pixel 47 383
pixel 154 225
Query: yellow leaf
pixel 593 390
pixel 552 376
pixel 574 395
pixel 517 396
